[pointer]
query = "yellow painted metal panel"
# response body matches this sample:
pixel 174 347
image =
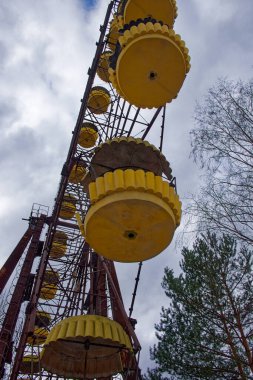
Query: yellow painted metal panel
pixel 165 191
pixel 140 180
pixel 109 184
pixel 158 186
pixel 93 192
pixel 119 183
pixel 129 179
pixel 150 182
pixel 100 187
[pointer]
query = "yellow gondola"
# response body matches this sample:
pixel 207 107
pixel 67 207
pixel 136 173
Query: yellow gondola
pixel 115 25
pixel 48 291
pixel 57 250
pixel 51 277
pixel 38 337
pixel 42 318
pixel 60 237
pixel 77 173
pixel 133 215
pixel 29 365
pixel 85 346
pixel 68 207
pixel 67 210
pixel 88 135
pixel 103 66
pixel 59 245
pixel 99 100
pixel 154 77
pixel 160 10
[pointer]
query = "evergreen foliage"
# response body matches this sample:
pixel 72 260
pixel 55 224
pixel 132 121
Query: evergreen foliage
pixel 207 330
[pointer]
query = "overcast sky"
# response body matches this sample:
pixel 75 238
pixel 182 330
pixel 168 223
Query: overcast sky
pixel 46 47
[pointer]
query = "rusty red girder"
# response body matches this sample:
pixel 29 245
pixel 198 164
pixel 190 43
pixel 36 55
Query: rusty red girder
pixel 11 316
pixel 7 269
pixel 118 309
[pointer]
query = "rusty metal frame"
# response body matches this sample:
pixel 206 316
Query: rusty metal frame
pixel 11 316
pixel 7 269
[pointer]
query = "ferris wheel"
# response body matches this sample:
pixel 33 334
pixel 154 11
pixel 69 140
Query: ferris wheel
pixel 117 202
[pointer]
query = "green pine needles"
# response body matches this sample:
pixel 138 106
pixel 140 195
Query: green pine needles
pixel 206 332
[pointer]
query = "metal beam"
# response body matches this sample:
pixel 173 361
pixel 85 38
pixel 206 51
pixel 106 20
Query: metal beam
pixel 10 264
pixel 11 316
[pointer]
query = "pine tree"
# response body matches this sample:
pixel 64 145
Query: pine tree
pixel 207 330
